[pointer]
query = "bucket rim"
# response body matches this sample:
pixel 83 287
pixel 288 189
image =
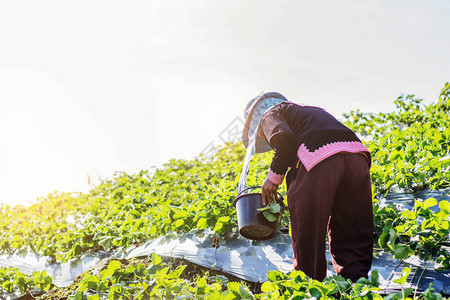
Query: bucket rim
pixel 240 194
pixel 243 195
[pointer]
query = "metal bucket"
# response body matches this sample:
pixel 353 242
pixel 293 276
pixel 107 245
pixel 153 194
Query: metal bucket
pixel 252 224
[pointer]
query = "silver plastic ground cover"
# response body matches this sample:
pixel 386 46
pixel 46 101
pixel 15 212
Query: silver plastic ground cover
pixel 251 260
pixel 246 259
pixel 63 274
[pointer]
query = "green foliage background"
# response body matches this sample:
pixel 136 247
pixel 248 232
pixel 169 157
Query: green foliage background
pixel 410 151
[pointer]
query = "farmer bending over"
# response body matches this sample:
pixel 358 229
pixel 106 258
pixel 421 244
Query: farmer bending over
pixel 328 184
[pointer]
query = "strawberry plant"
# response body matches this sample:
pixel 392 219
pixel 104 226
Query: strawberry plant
pixel 155 281
pixel 158 280
pixel 417 231
pixel 13 281
pixel 409 146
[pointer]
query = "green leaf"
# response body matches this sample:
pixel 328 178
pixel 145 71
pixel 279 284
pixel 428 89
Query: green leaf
pixel 374 278
pixel 202 223
pixel 79 296
pixel 315 292
pixel 177 272
pixel 270 216
pixel 76 249
pixel 390 184
pixel 180 215
pixel 271 212
pixel 114 265
pixel 402 251
pixel 342 284
pixel 114 292
pixel 179 223
pixel 275 208
pixel 218 228
pixel 384 237
pixel 223 280
pixel 429 294
pixel 186 293
pixel 394 296
pixel 102 286
pixel 404 276
pixel 275 275
pixel 394 155
pixel 201 282
pixel 233 286
pixel 407 292
pixel 244 293
pixel 156 259
pixel 106 242
pixel 224 219
pixel 430 202
pixel 444 205
pixel 268 287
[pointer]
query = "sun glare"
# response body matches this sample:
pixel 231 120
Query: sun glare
pixel 48 143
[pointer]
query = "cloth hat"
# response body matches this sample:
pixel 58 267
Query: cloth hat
pixel 253 113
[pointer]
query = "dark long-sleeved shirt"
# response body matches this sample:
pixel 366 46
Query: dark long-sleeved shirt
pixel 305 133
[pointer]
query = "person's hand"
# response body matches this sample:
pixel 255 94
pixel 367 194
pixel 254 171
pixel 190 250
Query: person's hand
pixel 269 192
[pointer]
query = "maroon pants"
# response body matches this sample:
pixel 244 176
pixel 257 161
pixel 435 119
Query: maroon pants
pixel 334 197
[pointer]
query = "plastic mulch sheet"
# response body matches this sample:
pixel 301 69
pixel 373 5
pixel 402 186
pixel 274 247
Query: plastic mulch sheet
pixel 250 260
pixel 63 274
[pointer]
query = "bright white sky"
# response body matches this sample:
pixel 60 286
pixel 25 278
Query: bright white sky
pixel 94 87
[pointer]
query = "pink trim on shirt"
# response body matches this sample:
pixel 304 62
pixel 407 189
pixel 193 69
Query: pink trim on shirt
pixel 310 159
pixel 275 178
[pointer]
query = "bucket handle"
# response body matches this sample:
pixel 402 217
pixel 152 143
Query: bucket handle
pixel 279 199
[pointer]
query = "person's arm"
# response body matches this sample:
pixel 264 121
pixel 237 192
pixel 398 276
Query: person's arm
pixel 284 143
